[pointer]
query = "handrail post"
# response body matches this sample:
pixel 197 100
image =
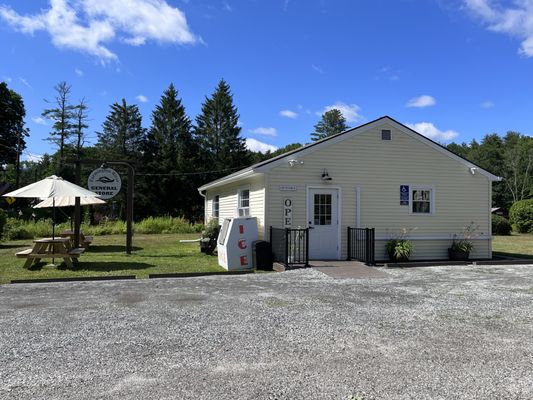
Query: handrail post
pixel 349 247
pixel 307 247
pixel 287 232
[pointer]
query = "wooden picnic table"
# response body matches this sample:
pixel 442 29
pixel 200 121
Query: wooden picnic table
pixel 59 247
pixel 85 241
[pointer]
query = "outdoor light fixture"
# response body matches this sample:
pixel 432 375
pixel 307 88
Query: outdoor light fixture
pixel 325 176
pixel 294 162
pixel 473 170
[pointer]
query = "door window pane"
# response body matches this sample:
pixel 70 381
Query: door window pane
pixel 322 209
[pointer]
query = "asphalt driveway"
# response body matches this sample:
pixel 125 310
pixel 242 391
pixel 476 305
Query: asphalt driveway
pixel 420 333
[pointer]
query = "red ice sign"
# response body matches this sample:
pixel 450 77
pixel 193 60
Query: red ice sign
pixel 244 260
pixel 241 229
pixel 242 244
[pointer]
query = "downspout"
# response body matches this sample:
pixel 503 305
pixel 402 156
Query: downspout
pixel 205 205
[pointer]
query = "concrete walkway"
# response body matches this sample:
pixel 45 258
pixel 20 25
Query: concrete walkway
pixel 347 269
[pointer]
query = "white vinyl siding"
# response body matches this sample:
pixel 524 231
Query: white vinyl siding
pixel 229 200
pixel 378 168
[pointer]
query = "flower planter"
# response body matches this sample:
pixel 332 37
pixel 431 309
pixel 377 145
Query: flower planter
pixel 397 259
pixel 458 255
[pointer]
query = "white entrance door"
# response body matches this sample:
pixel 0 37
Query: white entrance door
pixel 323 218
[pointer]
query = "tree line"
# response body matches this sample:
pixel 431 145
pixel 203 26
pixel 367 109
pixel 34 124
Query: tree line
pixel 176 154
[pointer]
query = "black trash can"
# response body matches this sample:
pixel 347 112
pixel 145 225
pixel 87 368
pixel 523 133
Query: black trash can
pixel 262 255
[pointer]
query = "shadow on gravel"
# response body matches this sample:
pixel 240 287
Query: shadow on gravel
pixel 111 248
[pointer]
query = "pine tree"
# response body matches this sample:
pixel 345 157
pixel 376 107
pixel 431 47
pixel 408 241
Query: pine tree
pixel 79 126
pixel 331 123
pixel 62 116
pixel 171 154
pixel 122 132
pixel 218 134
pixel 12 130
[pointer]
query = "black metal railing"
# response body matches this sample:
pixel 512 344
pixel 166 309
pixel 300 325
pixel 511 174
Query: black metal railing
pixel 361 245
pixel 290 247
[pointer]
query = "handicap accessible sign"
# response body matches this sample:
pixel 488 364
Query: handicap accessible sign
pixel 404 195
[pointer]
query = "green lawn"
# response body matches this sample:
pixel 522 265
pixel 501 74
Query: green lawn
pixel 516 245
pixel 152 254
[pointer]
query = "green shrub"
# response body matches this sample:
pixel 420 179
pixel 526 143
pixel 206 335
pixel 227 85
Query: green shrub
pixel 500 225
pixel 521 216
pixel 167 225
pixel 16 228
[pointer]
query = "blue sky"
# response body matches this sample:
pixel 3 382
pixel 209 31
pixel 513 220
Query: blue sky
pixel 453 70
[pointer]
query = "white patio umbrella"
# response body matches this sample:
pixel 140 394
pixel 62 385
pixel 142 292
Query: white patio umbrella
pixel 52 187
pixel 68 201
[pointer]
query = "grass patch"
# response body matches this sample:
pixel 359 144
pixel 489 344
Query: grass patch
pixel 153 254
pixel 516 245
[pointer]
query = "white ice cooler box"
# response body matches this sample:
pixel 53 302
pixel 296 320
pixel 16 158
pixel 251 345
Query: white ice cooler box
pixel 234 244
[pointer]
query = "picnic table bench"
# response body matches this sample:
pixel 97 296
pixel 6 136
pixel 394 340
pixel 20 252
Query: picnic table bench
pixel 51 248
pixel 85 241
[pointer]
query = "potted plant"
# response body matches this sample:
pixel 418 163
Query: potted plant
pixel 208 242
pixel 462 244
pixel 399 249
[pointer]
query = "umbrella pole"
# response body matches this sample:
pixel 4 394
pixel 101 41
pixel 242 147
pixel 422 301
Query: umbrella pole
pixel 53 226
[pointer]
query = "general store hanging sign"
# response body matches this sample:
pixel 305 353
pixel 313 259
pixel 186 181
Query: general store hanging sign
pixel 105 181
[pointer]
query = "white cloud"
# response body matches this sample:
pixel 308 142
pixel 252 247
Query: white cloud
pixel 39 120
pixel 288 114
pixel 421 102
pixel 25 83
pixel 6 79
pixel 78 72
pixel 33 157
pixel 256 145
pixel 88 25
pixel 431 131
pixel 142 98
pixel 317 69
pixel 488 104
pixel 349 111
pixel 515 20
pixel 265 131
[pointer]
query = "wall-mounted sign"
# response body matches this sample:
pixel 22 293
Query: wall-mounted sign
pixel 105 181
pixel 287 213
pixel 287 188
pixel 404 195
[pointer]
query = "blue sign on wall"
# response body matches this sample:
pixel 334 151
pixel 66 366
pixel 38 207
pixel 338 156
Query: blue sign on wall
pixel 404 195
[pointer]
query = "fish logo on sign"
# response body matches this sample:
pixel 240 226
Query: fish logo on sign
pixel 241 244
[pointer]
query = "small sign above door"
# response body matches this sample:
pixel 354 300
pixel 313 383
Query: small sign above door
pixel 287 188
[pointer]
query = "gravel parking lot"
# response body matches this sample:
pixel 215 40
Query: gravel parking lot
pixel 420 333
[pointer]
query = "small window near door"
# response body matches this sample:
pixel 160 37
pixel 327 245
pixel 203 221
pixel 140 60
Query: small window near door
pixel 422 201
pixel 322 211
pixel 216 206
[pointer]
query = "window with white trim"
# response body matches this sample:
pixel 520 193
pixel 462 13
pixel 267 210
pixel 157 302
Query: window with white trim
pixel 422 200
pixel 216 206
pixel 244 202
